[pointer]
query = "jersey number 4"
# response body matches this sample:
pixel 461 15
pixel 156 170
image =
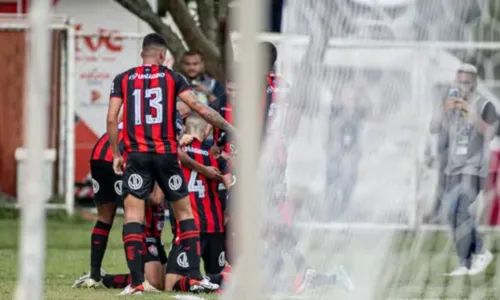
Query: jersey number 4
pixel 195 185
pixel 154 98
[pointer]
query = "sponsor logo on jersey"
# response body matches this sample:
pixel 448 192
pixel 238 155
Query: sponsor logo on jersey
pixel 195 150
pixel 146 76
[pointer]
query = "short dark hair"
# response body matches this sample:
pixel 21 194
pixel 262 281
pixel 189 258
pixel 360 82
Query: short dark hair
pixel 269 49
pixel 192 53
pixel 154 39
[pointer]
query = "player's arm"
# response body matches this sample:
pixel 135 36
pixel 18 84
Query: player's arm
pixel 115 104
pixel 192 164
pixel 206 112
pixel 210 115
pixel 227 180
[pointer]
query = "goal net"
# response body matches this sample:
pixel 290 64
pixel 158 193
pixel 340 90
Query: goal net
pixel 365 78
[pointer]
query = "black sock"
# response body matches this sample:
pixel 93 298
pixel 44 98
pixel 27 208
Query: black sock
pixel 133 243
pixel 98 243
pixel 189 237
pixel 182 285
pixel 216 278
pixel 119 281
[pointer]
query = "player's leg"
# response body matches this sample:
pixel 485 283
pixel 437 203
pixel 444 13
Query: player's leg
pixel 214 257
pixel 154 261
pixel 171 181
pixel 106 198
pixel 137 185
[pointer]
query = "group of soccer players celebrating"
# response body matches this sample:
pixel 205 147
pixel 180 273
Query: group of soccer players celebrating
pixel 157 158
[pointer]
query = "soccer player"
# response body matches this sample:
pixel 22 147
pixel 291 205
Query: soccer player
pixel 469 121
pixel 107 188
pixel 148 94
pixel 208 210
pixel 279 124
pixel 155 256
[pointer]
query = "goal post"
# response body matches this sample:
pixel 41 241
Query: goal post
pixel 247 283
pixel 61 111
pixel 32 233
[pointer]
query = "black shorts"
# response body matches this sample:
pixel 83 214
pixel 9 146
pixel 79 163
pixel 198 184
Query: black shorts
pixel 144 169
pixel 106 184
pixel 155 251
pixel 212 254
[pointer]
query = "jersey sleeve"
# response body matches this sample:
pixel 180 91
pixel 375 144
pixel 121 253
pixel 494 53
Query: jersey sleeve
pixel 181 84
pixel 116 87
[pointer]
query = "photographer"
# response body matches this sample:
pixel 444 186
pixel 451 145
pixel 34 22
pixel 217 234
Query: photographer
pixel 467 122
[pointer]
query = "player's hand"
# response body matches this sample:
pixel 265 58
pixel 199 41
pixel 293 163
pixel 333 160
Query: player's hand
pixel 225 156
pixel 216 150
pixel 212 173
pixel 186 139
pixel 118 165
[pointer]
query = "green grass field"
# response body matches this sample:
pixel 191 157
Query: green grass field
pixel 413 272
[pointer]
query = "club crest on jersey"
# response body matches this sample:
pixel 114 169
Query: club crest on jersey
pixel 135 181
pixel 153 250
pixel 118 187
pixel 175 182
pixel 95 186
pixel 182 260
pixel 222 259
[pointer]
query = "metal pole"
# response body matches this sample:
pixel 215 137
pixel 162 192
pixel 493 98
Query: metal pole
pixel 70 126
pixel 32 239
pixel 248 197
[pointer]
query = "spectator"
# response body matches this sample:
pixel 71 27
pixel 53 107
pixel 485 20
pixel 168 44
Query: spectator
pixel 468 123
pixel 206 88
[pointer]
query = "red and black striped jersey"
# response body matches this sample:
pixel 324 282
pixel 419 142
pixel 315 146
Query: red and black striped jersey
pixel 149 95
pixel 206 202
pixel 102 149
pixel 274 86
pixel 154 221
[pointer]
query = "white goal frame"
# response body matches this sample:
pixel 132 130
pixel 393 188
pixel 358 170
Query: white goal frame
pixel 414 211
pixel 66 151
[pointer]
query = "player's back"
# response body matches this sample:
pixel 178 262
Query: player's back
pixel 207 201
pixel 102 148
pixel 149 108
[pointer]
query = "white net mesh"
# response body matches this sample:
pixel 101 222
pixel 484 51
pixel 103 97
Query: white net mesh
pixel 364 85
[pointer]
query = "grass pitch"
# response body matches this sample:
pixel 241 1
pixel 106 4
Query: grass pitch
pixel 415 272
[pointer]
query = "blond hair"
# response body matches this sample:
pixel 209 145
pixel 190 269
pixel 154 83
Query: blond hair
pixel 195 124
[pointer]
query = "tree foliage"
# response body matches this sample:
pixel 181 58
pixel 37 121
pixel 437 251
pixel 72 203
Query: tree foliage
pixel 203 34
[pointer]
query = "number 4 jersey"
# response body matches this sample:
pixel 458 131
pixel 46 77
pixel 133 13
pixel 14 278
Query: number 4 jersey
pixel 208 197
pixel 149 94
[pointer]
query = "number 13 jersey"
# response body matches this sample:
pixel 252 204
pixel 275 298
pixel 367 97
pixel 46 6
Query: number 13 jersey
pixel 149 94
